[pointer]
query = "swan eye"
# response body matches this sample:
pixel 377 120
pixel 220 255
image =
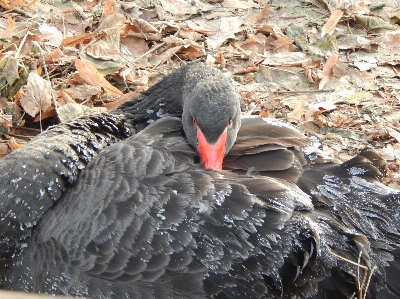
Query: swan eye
pixel 229 123
pixel 194 121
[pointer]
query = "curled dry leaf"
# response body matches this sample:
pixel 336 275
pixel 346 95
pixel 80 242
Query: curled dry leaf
pixel 91 76
pixel 14 144
pixel 327 70
pixel 311 70
pixel 333 20
pixel 188 34
pixel 38 95
pixel 80 38
pixel 189 51
pixel 141 29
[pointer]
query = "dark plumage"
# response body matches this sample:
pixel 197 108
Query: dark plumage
pixel 142 220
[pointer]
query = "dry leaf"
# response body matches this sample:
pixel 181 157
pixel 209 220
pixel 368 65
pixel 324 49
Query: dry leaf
pixel 333 20
pixel 339 70
pixel 257 17
pixel 311 68
pixel 55 54
pixel 177 7
pixel 327 70
pixel 357 98
pixel 10 28
pixel 110 7
pixel 189 34
pixel 375 23
pixel 101 51
pixel 137 46
pixel 3 149
pixel 80 38
pixel 92 77
pixel 9 5
pixel 318 109
pixel 12 142
pixel 227 28
pixel 52 34
pixel 66 97
pixel 38 95
pixel 296 103
pixel 189 51
pixel 71 111
pixel 296 114
pixel 10 70
pixel 392 132
pixel 51 112
pixel 5 120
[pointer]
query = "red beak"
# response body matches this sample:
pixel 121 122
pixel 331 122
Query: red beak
pixel 211 155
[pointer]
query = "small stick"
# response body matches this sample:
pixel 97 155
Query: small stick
pixel 45 71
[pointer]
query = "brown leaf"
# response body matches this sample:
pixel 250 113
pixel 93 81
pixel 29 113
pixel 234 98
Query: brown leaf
pixel 80 38
pixel 99 51
pixel 122 99
pixel 10 28
pixel 3 149
pixel 296 114
pixel 110 7
pixel 189 34
pixel 257 17
pixel 296 103
pixel 140 29
pixel 51 112
pixel 310 69
pixel 143 26
pixel 12 142
pixel 333 20
pixel 277 43
pixel 339 70
pixel 137 46
pixel 38 95
pixel 190 52
pixel 55 54
pixel 318 109
pixel 66 97
pixel 92 77
pixel 327 70
pixel 11 4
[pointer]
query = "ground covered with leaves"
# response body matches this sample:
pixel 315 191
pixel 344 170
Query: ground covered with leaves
pixel 329 67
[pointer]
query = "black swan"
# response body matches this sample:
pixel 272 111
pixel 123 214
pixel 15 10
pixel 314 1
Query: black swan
pixel 134 204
